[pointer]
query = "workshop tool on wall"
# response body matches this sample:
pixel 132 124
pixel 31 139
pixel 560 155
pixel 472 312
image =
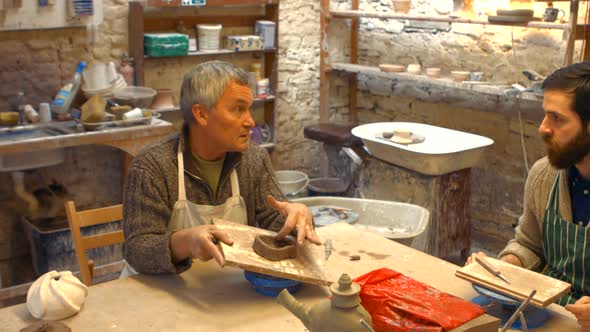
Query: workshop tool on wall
pixel 491 269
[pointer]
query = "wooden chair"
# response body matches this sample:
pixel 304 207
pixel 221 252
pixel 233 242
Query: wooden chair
pixel 79 219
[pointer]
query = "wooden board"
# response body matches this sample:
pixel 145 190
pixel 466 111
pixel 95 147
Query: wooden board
pixel 523 282
pixel 308 267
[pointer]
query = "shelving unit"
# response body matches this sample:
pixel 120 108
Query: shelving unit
pixel 140 23
pixel 575 32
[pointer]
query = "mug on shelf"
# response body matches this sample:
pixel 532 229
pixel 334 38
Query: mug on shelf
pixel 551 14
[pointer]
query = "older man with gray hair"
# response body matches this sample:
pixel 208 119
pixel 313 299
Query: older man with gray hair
pixel 174 189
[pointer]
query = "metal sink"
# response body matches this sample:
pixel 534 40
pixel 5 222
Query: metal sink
pixel 30 160
pixel 20 133
pixel 443 150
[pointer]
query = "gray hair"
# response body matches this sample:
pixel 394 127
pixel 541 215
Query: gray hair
pixel 206 83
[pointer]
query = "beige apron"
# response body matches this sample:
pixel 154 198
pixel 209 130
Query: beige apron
pixel 186 214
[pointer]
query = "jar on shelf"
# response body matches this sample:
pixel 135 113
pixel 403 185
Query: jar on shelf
pixel 127 70
pixel 257 68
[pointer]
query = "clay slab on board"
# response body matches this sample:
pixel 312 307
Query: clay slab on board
pixel 308 267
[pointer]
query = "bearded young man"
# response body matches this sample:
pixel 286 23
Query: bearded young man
pixel 552 234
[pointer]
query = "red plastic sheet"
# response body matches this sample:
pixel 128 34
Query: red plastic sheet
pixel 400 303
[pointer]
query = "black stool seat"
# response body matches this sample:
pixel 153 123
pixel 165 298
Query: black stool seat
pixel 334 134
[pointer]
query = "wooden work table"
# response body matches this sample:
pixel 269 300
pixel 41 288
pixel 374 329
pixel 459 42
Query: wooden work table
pixel 209 298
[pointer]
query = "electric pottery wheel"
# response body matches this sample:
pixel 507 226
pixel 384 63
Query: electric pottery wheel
pixel 503 307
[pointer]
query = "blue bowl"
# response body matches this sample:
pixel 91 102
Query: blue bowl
pixel 269 285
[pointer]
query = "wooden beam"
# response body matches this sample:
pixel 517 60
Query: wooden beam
pixel 154 23
pixel 271 70
pixel 354 42
pixel 568 58
pixel 582 31
pixel 324 54
pixel 212 3
pixel 440 18
pixel 135 28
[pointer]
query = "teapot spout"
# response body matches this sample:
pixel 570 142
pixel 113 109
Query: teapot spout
pixel 297 308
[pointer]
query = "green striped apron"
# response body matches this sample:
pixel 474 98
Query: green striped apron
pixel 567 249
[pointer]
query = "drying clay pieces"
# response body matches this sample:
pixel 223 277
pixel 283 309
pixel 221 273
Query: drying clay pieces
pixel 275 250
pixel 401 136
pixel 389 68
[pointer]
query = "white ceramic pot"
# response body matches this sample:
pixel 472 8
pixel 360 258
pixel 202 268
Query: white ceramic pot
pixel 56 295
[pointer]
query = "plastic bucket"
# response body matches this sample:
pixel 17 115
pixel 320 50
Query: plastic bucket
pixel 209 36
pixel 291 182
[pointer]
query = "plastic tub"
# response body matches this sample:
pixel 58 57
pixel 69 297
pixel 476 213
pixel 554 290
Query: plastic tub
pixel 291 182
pixel 135 96
pixel 209 36
pixel 401 222
pixel 52 247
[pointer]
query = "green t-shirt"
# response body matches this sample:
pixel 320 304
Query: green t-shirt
pixel 210 170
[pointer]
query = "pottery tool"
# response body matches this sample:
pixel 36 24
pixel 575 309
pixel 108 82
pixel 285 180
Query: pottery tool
pixel 491 269
pixel 366 326
pixel 502 307
pixel 518 312
pixel 328 248
pixel 548 289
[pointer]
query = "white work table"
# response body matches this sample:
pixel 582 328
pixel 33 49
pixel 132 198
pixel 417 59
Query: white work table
pixel 209 298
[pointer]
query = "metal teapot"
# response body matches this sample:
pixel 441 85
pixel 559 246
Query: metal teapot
pixel 343 313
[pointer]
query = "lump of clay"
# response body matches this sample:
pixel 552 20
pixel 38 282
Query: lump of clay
pixel 275 250
pixel 56 295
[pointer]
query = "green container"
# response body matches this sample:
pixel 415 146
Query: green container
pixel 165 44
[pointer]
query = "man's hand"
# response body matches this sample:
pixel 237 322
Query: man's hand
pixel 511 259
pixel 199 242
pixel 581 309
pixel 298 217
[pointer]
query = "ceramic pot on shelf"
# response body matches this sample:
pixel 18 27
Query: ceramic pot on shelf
pixel 163 100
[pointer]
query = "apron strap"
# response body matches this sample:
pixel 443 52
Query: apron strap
pixel 235 185
pixel 554 196
pixel 181 188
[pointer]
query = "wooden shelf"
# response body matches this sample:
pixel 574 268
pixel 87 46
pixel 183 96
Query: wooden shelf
pixel 484 97
pixel 229 13
pixel 268 99
pixel 210 53
pixel 212 3
pixel 420 17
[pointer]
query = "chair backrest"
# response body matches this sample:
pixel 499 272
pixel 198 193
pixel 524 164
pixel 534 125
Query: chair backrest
pixel 79 219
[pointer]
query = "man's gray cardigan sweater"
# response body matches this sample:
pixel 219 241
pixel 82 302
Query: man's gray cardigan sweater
pixel 151 189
